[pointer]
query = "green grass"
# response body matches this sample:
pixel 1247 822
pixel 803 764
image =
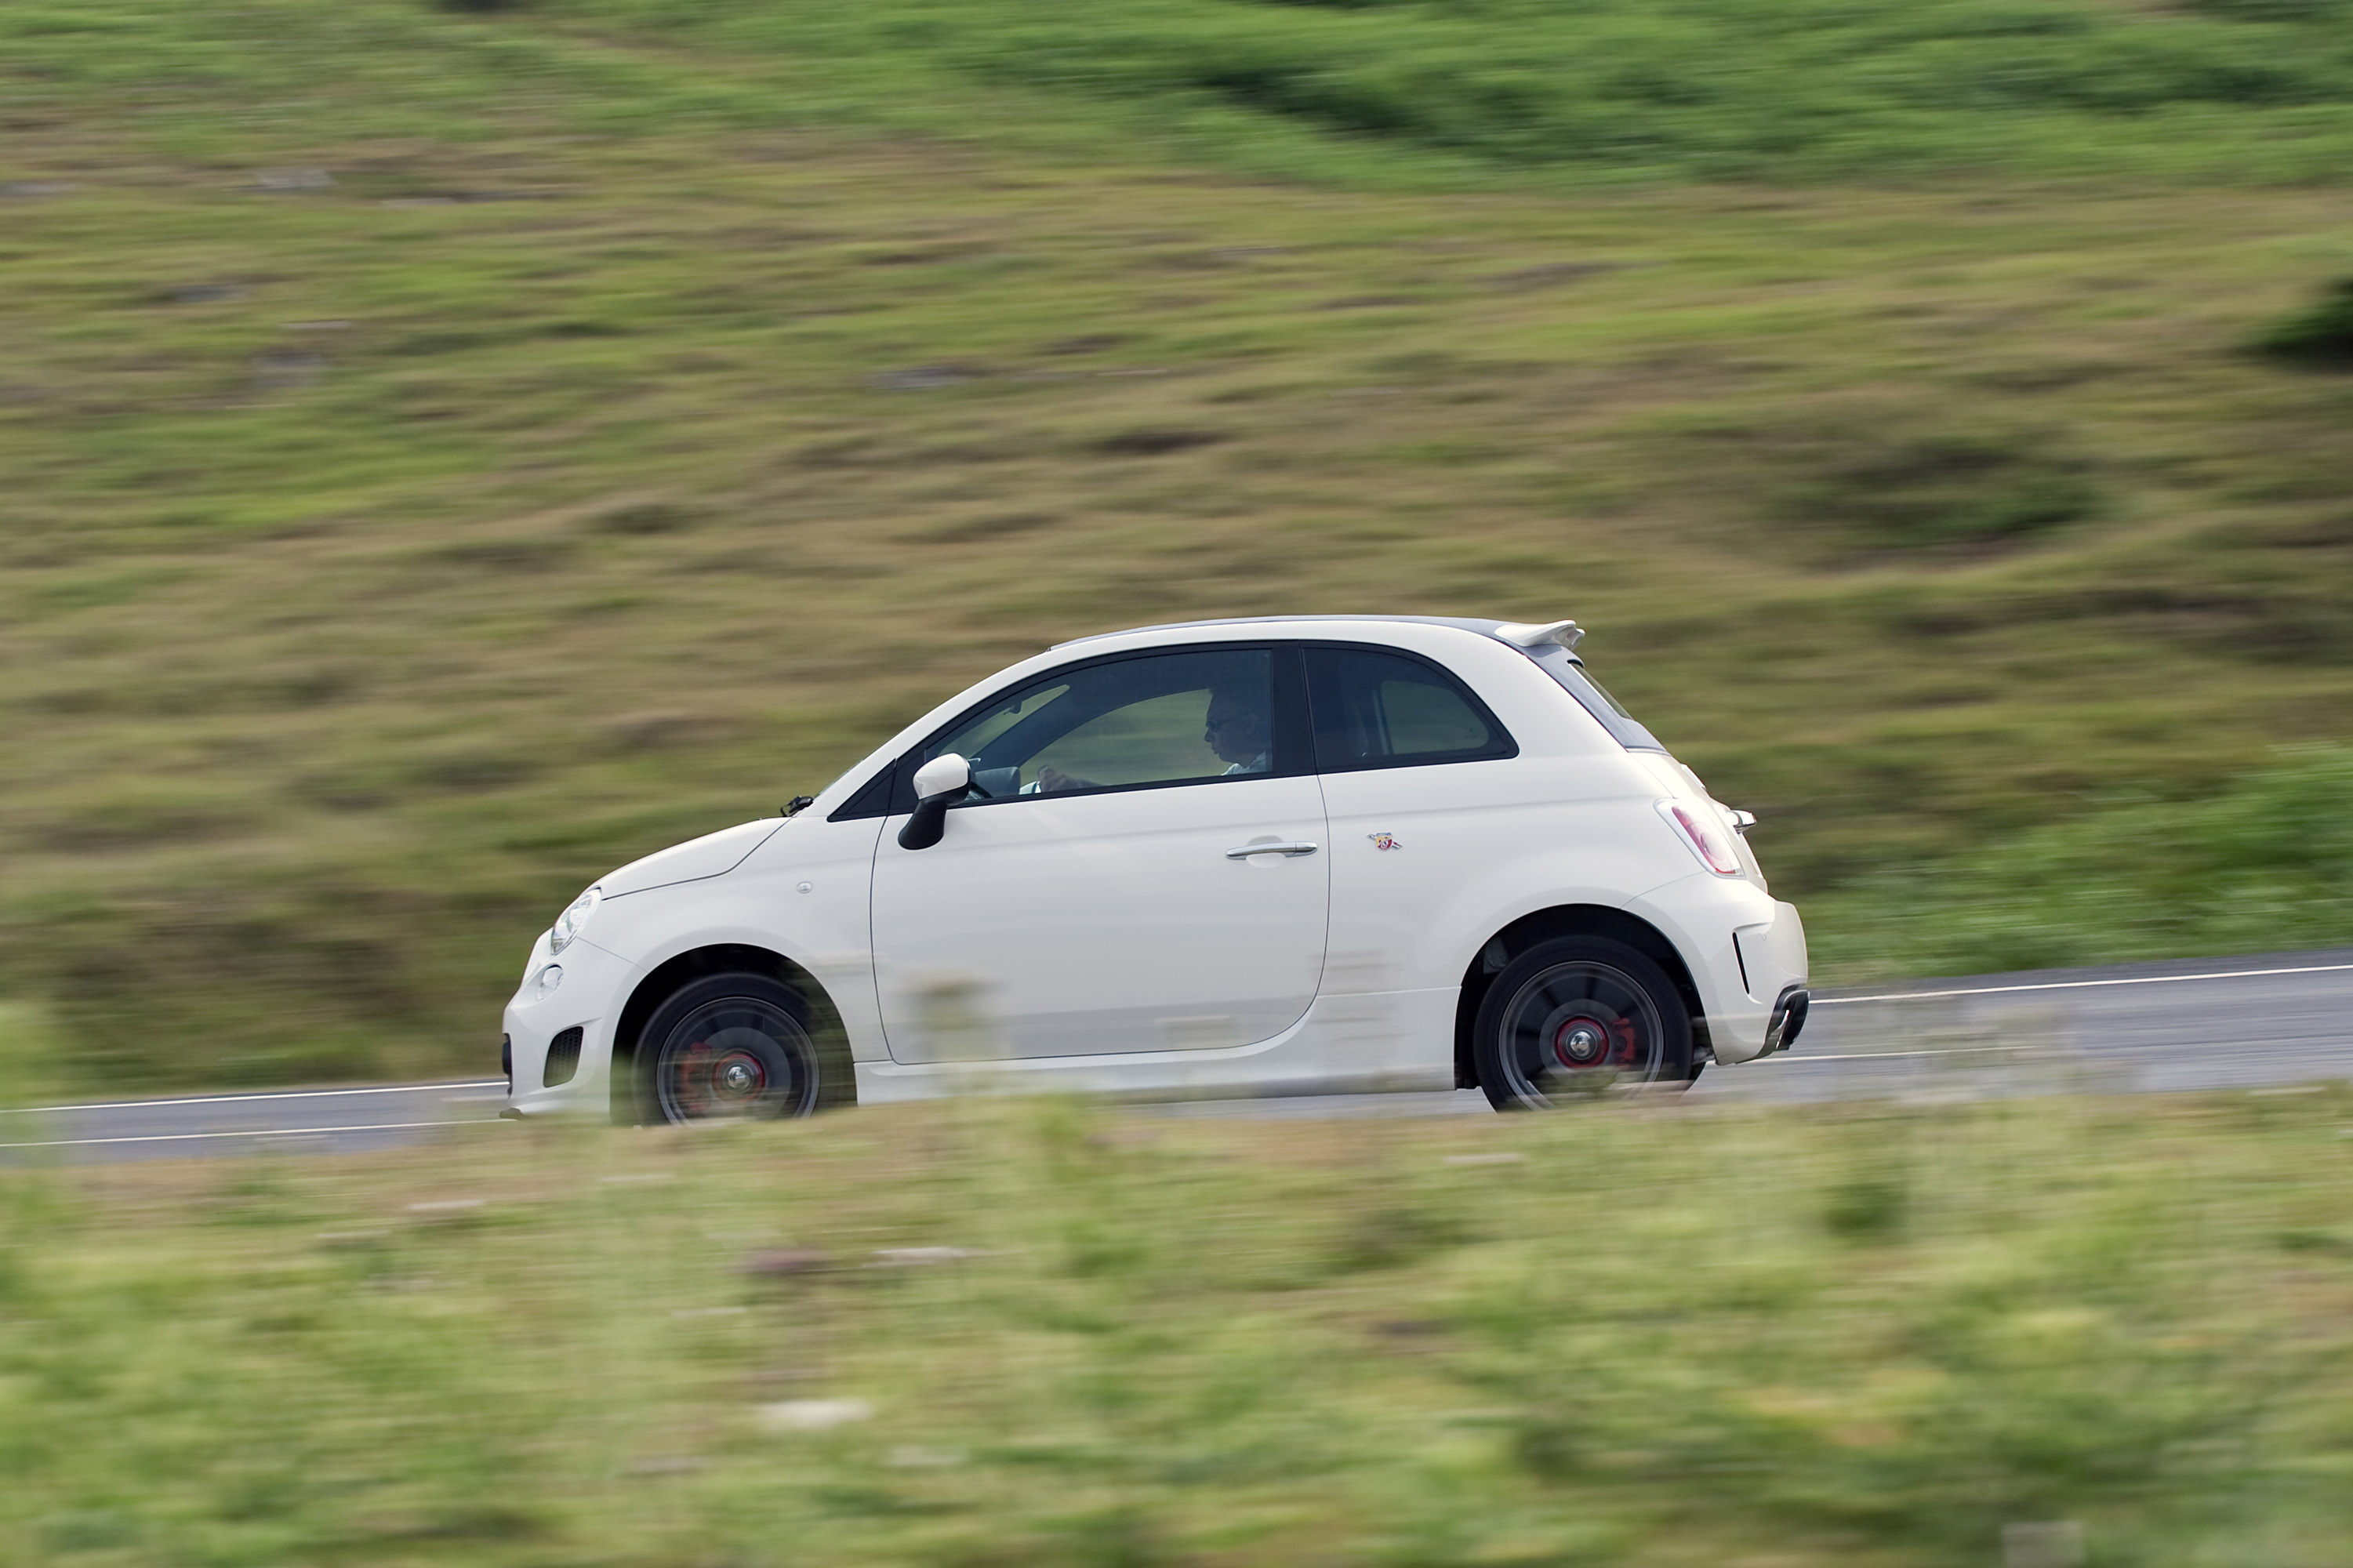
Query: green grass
pixel 1384 94
pixel 383 561
pixel 1708 89
pixel 1862 1335
pixel 2266 864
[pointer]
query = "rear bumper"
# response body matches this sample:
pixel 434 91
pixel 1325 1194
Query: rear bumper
pixel 1770 958
pixel 1745 952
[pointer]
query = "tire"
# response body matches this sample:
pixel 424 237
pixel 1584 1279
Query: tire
pixel 735 1047
pixel 1580 1018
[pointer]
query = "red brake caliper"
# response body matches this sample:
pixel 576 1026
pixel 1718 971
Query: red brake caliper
pixel 694 1076
pixel 1622 1033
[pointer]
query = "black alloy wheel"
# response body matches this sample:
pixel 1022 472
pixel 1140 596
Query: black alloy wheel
pixel 1577 1019
pixel 730 1047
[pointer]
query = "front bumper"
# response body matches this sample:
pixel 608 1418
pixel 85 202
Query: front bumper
pixel 595 985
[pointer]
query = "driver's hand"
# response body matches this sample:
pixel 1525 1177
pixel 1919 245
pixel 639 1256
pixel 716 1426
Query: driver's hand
pixel 1051 778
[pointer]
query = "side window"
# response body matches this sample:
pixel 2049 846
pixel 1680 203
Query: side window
pixel 1129 723
pixel 1376 708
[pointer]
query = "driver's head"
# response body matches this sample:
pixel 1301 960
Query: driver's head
pixel 1236 727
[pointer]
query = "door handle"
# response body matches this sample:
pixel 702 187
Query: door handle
pixel 1244 851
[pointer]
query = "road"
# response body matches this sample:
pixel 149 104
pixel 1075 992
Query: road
pixel 2269 1023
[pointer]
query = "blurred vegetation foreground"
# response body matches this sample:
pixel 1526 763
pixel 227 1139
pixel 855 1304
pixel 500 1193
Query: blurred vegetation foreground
pixel 447 450
pixel 1003 1334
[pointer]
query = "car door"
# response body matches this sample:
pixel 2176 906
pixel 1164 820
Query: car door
pixel 1421 798
pixel 1112 886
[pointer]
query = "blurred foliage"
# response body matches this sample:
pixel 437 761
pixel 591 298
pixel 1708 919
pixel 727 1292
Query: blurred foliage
pixel 1712 89
pixel 1944 491
pixel 2265 864
pixel 1894 476
pixel 30 1058
pixel 1008 1333
pixel 1384 91
pixel 2320 335
pixel 447 452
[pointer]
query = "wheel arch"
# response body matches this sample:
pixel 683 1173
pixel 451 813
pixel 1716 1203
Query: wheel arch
pixel 825 1020
pixel 1568 920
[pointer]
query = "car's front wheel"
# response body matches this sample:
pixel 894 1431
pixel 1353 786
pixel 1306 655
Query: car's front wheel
pixel 733 1047
pixel 1577 1017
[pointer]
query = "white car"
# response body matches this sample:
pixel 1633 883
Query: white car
pixel 1306 854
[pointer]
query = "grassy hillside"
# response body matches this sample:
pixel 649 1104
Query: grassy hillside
pixel 1713 88
pixel 445 453
pixel 971 1335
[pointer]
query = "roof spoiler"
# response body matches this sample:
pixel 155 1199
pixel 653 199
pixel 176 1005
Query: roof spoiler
pixel 1530 635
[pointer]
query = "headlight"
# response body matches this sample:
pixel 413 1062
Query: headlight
pixel 568 923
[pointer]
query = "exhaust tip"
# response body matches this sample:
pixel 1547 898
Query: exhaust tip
pixel 1788 1019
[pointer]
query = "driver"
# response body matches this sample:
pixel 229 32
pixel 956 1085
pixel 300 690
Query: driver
pixel 1237 728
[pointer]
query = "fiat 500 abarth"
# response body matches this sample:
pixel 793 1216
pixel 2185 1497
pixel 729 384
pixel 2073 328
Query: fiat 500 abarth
pixel 1295 854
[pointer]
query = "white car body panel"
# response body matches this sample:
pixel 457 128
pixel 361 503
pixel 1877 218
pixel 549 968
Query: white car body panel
pixel 1344 1044
pixel 696 860
pixel 1107 939
pixel 594 983
pixel 1091 924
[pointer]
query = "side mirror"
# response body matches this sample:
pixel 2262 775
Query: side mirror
pixel 947 775
pixel 939 785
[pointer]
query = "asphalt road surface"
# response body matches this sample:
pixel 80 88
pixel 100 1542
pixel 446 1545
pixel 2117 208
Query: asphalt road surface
pixel 2272 1023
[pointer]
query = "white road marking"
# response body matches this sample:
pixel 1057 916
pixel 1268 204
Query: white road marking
pixel 258 1133
pixel 241 1098
pixel 1884 1055
pixel 2081 985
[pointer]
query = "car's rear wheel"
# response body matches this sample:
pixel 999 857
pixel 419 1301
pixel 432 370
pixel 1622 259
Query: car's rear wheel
pixel 1577 1018
pixel 732 1048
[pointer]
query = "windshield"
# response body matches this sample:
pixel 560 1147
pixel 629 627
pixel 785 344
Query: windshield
pixel 1564 667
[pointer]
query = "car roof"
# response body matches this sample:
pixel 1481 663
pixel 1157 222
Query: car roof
pixel 1483 629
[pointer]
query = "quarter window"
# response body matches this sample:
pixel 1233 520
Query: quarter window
pixel 1376 708
pixel 1570 670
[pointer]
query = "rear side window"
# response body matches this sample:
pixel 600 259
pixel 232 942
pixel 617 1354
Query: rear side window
pixel 1375 707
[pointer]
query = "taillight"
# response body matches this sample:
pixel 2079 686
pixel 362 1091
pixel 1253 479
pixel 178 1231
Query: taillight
pixel 1706 838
